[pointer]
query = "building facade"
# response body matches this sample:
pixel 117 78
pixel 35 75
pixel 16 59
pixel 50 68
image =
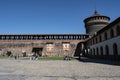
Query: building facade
pixel 105 44
pixel 101 41
pixel 42 44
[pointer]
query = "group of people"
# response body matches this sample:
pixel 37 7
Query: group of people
pixel 34 57
pixel 67 58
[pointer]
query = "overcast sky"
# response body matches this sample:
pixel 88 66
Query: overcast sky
pixel 52 16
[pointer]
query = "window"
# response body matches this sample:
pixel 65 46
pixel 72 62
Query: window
pixel 50 47
pixel 111 33
pixel 100 38
pixel 118 30
pixel 96 40
pixel 105 35
pixel 91 51
pixel 93 41
pixel 66 46
pixel 94 51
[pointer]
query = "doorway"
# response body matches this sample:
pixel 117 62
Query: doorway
pixel 37 51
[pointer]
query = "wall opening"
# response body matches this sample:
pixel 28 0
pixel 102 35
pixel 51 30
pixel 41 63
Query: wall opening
pixel 107 52
pixel 115 51
pixel 37 51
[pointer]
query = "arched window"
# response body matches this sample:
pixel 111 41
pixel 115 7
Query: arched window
pixel 91 51
pixel 105 35
pixel 118 30
pixel 93 41
pixel 115 51
pixel 100 38
pixel 111 33
pixel 96 40
pixel 101 49
pixel 94 51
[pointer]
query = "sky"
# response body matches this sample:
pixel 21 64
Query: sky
pixel 52 16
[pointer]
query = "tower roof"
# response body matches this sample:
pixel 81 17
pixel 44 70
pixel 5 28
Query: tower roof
pixel 96 13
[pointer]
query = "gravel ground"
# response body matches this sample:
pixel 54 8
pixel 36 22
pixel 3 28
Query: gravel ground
pixel 57 70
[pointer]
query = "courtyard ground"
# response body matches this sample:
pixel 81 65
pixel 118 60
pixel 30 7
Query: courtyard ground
pixel 86 69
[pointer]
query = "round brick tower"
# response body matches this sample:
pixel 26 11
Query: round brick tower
pixel 95 23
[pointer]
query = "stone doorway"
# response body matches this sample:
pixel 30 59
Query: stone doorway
pixel 37 51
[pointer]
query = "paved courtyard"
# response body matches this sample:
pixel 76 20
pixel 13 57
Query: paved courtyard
pixel 57 70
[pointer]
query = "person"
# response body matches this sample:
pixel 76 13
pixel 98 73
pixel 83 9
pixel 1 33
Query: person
pixel 66 58
pixel 80 56
pixel 36 57
pixel 15 57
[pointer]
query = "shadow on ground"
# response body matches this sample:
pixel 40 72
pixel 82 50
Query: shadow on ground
pixel 99 61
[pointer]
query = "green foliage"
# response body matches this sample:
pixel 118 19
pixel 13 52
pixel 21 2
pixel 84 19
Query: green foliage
pixel 3 57
pixel 53 58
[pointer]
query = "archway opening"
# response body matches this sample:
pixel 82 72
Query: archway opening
pixel 101 49
pixel 37 51
pixel 107 52
pixel 115 51
pixel 79 50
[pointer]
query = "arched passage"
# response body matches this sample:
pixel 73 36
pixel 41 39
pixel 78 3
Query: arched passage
pixel 106 52
pixel 97 50
pixel 115 51
pixel 79 49
pixel 101 50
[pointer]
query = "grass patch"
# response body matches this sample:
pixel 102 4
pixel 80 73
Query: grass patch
pixel 3 57
pixel 53 58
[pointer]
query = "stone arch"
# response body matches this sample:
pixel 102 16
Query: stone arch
pixel 115 51
pixel 79 49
